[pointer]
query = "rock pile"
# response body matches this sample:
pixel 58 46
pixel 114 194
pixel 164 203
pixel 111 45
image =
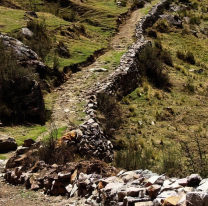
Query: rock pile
pixel 95 182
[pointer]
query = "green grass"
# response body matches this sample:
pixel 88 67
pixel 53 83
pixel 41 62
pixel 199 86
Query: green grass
pixel 146 9
pixel 20 133
pixel 11 19
pixel 60 132
pixel 2 157
pixel 147 104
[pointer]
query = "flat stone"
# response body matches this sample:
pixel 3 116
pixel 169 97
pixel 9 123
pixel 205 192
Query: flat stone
pixel 149 203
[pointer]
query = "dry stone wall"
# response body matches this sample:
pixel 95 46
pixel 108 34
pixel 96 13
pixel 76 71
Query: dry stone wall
pixel 121 82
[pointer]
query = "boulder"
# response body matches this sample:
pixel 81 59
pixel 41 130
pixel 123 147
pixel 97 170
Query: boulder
pixel 131 201
pixel 28 142
pixel 22 150
pixel 193 180
pixel 32 14
pixel 27 33
pixel 153 191
pixel 7 143
pixel 25 103
pixel 174 20
pixel 197 199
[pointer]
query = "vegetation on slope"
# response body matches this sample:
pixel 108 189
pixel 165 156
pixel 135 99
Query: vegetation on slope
pixel 166 131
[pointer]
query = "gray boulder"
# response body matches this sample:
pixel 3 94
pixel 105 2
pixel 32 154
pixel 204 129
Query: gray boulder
pixel 7 143
pixel 197 199
pixel 27 33
pixel 174 20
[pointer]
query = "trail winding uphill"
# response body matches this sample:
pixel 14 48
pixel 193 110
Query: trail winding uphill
pixel 72 94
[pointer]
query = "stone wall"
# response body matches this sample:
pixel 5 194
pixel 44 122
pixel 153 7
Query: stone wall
pixel 121 82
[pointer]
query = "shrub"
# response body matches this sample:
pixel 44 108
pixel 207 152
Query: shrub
pixel 190 57
pixel 151 66
pixel 110 109
pixel 134 156
pixel 181 55
pixel 158 95
pixel 158 44
pixel 166 56
pixel 162 26
pixel 195 20
pixel 51 152
pixel 137 4
pixel 41 43
pixel 70 17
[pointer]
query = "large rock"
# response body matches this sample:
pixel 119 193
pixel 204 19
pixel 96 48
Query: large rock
pixel 197 199
pixel 174 20
pixel 193 180
pixel 7 143
pixel 24 99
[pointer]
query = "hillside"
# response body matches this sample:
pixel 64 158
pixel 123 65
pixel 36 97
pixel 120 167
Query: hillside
pixel 125 92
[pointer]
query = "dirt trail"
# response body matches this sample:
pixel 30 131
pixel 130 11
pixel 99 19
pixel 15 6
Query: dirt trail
pixel 68 106
pixel 71 95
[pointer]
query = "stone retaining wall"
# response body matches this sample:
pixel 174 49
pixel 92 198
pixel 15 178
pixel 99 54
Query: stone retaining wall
pixel 121 82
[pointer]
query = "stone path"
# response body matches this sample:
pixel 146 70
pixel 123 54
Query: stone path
pixel 72 94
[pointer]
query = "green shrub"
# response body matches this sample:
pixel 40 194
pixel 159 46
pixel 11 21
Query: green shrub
pixel 110 109
pixel 41 43
pixel 166 57
pixel 158 44
pixel 181 55
pixel 135 156
pixel 137 4
pixel 151 66
pixel 190 57
pixel 195 20
pixel 162 26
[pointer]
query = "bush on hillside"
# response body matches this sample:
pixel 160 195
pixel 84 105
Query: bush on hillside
pixel 111 111
pixel 166 57
pixel 41 43
pixel 151 65
pixel 190 57
pixel 51 152
pixel 137 4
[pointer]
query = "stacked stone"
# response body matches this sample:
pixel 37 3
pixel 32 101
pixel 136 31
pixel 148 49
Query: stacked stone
pixel 127 188
pixel 121 82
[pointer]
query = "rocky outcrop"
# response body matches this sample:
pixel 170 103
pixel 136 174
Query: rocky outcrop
pixel 103 185
pixel 7 143
pixel 25 56
pixel 23 97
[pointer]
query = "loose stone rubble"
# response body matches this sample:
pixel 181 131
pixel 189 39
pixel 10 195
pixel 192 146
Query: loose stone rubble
pixel 93 181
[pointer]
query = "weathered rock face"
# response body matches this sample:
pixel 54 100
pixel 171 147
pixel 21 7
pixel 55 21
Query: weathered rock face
pixel 7 143
pixel 26 57
pixel 25 100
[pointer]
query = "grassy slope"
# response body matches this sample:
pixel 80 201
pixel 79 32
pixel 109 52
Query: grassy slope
pixel 148 104
pixel 98 18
